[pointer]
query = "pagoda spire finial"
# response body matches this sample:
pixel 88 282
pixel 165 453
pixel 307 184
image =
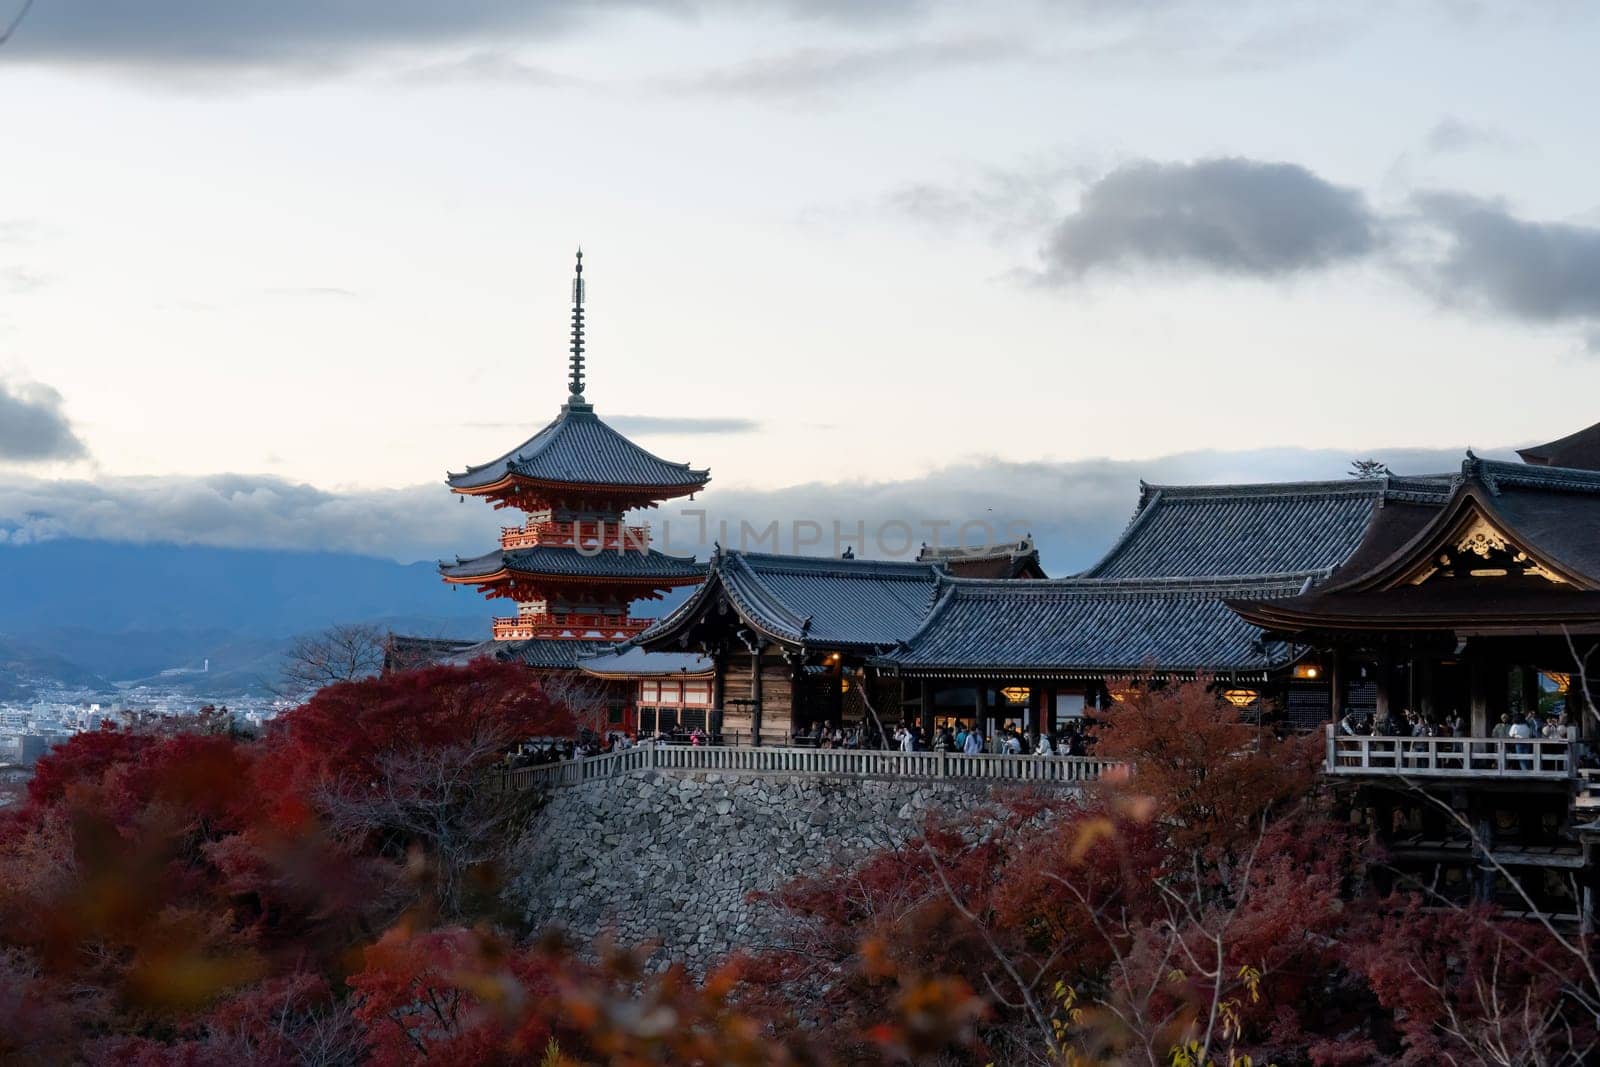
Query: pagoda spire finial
pixel 575 386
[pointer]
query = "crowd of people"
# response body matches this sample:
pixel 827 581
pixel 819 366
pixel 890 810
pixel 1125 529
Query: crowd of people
pixel 953 736
pixel 1072 739
pixel 1409 723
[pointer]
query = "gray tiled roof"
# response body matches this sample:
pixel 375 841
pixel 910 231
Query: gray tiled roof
pixel 543 652
pixel 825 602
pixel 563 562
pixel 580 448
pixel 1576 450
pixel 631 661
pixel 1556 508
pixel 1072 626
pixel 547 653
pixel 1201 531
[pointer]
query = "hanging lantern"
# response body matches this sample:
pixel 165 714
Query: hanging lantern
pixel 1241 698
pixel 1016 694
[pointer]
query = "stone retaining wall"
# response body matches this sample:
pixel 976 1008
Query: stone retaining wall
pixel 669 857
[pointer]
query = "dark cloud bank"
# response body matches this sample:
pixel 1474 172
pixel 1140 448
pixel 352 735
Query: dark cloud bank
pixel 33 428
pixel 1242 217
pixel 1232 216
pixel 329 34
pixel 1073 509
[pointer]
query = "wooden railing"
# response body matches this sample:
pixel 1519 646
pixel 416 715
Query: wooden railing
pixel 601 627
pixel 1450 757
pixel 588 535
pixel 819 762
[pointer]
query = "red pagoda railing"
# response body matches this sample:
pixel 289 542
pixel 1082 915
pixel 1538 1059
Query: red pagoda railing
pixel 575 535
pixel 571 624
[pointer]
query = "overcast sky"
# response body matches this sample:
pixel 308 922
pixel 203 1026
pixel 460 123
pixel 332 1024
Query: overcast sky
pixel 324 245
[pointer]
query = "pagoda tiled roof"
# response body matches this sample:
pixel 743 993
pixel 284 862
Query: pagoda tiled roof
pixel 1275 528
pixel 809 600
pixel 561 562
pixel 578 448
pixel 1076 627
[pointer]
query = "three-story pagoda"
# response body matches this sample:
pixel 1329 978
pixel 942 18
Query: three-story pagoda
pixel 573 567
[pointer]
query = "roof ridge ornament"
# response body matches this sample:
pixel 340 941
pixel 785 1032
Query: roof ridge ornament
pixel 575 385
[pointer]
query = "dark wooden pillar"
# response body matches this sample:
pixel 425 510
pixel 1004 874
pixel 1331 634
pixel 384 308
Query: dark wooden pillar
pixel 719 689
pixel 1530 689
pixel 1484 823
pixel 1497 678
pixel 1427 699
pixel 980 711
pixel 1383 677
pixel 1478 694
pixel 797 677
pixel 925 709
pixel 755 694
pixel 1336 673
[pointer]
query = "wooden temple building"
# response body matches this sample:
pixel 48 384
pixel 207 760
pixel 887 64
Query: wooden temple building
pixel 1471 595
pixel 1486 608
pixel 963 636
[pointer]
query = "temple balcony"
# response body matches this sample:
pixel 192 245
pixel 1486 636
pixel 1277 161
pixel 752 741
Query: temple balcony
pixel 568 625
pixel 1450 757
pixel 586 535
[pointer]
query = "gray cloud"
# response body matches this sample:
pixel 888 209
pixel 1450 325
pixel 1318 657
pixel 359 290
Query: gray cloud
pixel 1231 216
pixel 1534 271
pixel 256 32
pixel 805 71
pixel 1245 218
pixel 1451 135
pixel 485 65
pixel 248 511
pixel 1003 203
pixel 1073 509
pixel 331 35
pixel 33 428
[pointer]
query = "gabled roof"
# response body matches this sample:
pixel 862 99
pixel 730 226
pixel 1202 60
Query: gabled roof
pixel 540 652
pixel 578 448
pixel 808 600
pixel 1516 549
pixel 1075 627
pixel 1219 530
pixel 1578 451
pixel 563 564
pixel 631 661
pixel 544 653
pixel 1018 560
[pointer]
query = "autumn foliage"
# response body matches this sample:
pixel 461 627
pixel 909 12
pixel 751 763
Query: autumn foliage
pixel 324 894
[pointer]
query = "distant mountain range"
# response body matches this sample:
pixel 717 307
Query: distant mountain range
pixel 92 613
